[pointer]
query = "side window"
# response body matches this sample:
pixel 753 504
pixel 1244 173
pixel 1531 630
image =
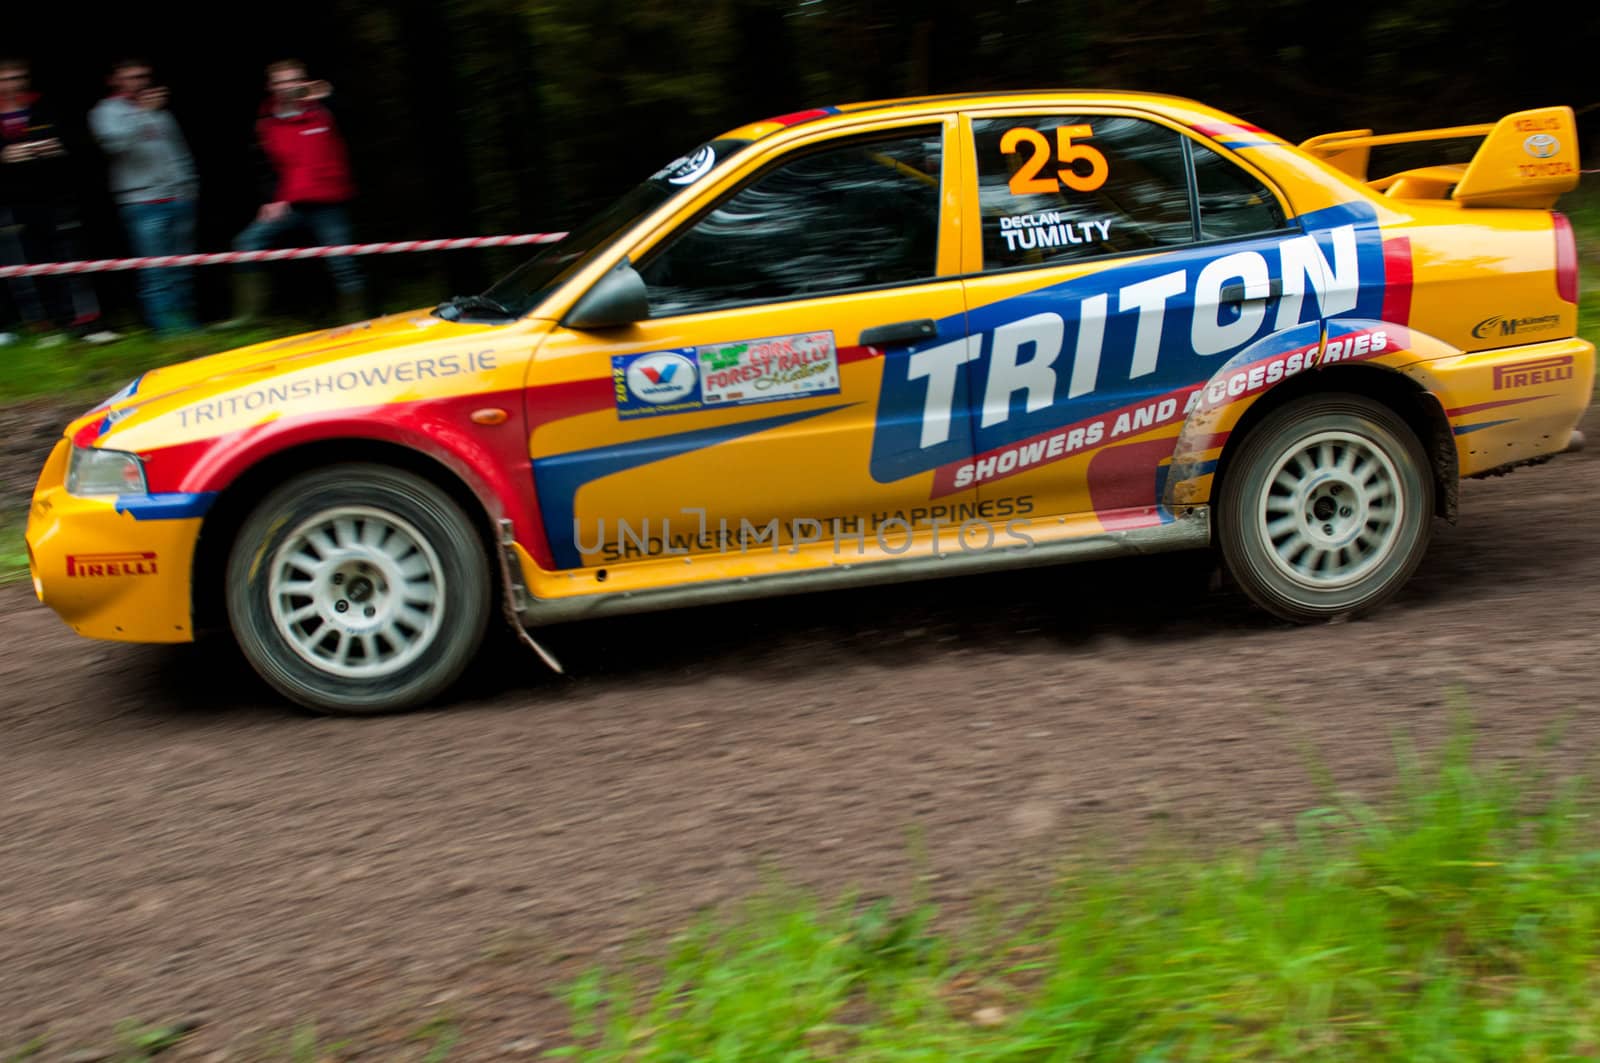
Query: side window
pixel 1055 188
pixel 1232 202
pixel 852 215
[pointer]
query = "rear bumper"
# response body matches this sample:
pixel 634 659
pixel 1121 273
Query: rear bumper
pixel 1513 404
pixel 106 573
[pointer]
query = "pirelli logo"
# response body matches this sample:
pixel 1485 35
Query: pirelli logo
pixel 1535 371
pixel 100 566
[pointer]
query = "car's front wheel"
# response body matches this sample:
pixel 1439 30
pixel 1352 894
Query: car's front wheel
pixel 358 589
pixel 1326 509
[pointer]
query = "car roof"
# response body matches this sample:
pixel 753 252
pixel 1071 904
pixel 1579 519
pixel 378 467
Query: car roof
pixel 1190 111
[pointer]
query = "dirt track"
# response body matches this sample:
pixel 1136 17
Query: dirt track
pixel 176 843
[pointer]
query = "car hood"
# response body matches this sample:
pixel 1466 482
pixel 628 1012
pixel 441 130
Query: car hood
pixel 162 390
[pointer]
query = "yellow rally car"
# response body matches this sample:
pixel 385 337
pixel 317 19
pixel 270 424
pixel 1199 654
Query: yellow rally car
pixel 856 345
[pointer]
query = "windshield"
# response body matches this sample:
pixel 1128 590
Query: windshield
pixel 527 286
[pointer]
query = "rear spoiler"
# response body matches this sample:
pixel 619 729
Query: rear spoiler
pixel 1527 159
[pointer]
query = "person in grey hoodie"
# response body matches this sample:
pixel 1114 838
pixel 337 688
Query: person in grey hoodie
pixel 153 182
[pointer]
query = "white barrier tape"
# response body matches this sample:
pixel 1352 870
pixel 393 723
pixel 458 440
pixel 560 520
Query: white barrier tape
pixel 105 265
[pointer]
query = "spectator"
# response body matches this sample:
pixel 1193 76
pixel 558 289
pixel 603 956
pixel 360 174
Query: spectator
pixel 309 184
pixel 153 182
pixel 38 220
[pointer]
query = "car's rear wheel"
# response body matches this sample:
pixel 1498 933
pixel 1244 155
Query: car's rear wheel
pixel 1326 509
pixel 358 589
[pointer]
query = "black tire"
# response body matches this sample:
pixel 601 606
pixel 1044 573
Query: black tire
pixel 1281 540
pixel 402 557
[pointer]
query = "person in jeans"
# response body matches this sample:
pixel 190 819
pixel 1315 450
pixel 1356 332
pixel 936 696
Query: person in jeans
pixel 311 183
pixel 38 218
pixel 153 182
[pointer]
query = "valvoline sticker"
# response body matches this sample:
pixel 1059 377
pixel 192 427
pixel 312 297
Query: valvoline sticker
pixel 658 382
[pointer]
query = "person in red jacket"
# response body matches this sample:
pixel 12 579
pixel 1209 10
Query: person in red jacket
pixel 310 186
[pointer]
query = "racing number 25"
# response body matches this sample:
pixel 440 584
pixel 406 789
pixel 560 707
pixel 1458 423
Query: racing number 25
pixel 1026 181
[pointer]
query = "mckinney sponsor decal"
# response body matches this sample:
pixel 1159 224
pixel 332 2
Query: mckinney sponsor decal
pixel 1490 327
pixel 1534 371
pixel 94 566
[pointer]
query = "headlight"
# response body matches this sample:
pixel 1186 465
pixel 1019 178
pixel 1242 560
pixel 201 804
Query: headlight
pixel 92 471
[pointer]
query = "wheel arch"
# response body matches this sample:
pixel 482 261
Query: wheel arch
pixel 236 501
pixel 1420 409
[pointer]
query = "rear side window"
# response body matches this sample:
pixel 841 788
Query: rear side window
pixel 856 214
pixel 1232 202
pixel 1055 188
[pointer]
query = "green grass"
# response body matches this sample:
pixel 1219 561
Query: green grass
pixel 1583 207
pixel 140 1042
pixel 1462 923
pixel 1459 920
pixel 88 371
pixel 13 552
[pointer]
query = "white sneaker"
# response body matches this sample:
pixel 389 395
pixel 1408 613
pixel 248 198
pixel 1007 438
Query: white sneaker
pixel 8 338
pixel 50 339
pixel 105 335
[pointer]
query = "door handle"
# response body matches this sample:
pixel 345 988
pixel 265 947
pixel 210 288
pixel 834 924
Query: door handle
pixel 1234 293
pixel 899 332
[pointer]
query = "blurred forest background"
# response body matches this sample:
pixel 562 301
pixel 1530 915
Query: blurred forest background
pixel 482 116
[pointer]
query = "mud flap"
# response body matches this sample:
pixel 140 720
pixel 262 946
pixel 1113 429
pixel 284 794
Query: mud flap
pixel 516 596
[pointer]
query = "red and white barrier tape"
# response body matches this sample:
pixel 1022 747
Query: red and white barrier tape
pixel 103 265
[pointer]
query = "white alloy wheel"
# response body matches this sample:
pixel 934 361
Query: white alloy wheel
pixel 358 589
pixel 1331 508
pixel 357 592
pixel 1324 509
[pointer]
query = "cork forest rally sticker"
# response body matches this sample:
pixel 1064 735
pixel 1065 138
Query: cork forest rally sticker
pixel 782 367
pixel 725 374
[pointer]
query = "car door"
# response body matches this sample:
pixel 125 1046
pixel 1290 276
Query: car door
pixel 742 414
pixel 1101 297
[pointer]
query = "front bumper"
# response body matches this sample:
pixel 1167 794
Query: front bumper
pixel 108 574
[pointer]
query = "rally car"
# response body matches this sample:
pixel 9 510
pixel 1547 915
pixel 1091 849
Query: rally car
pixel 855 345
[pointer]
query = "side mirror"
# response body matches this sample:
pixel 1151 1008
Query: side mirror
pixel 618 298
